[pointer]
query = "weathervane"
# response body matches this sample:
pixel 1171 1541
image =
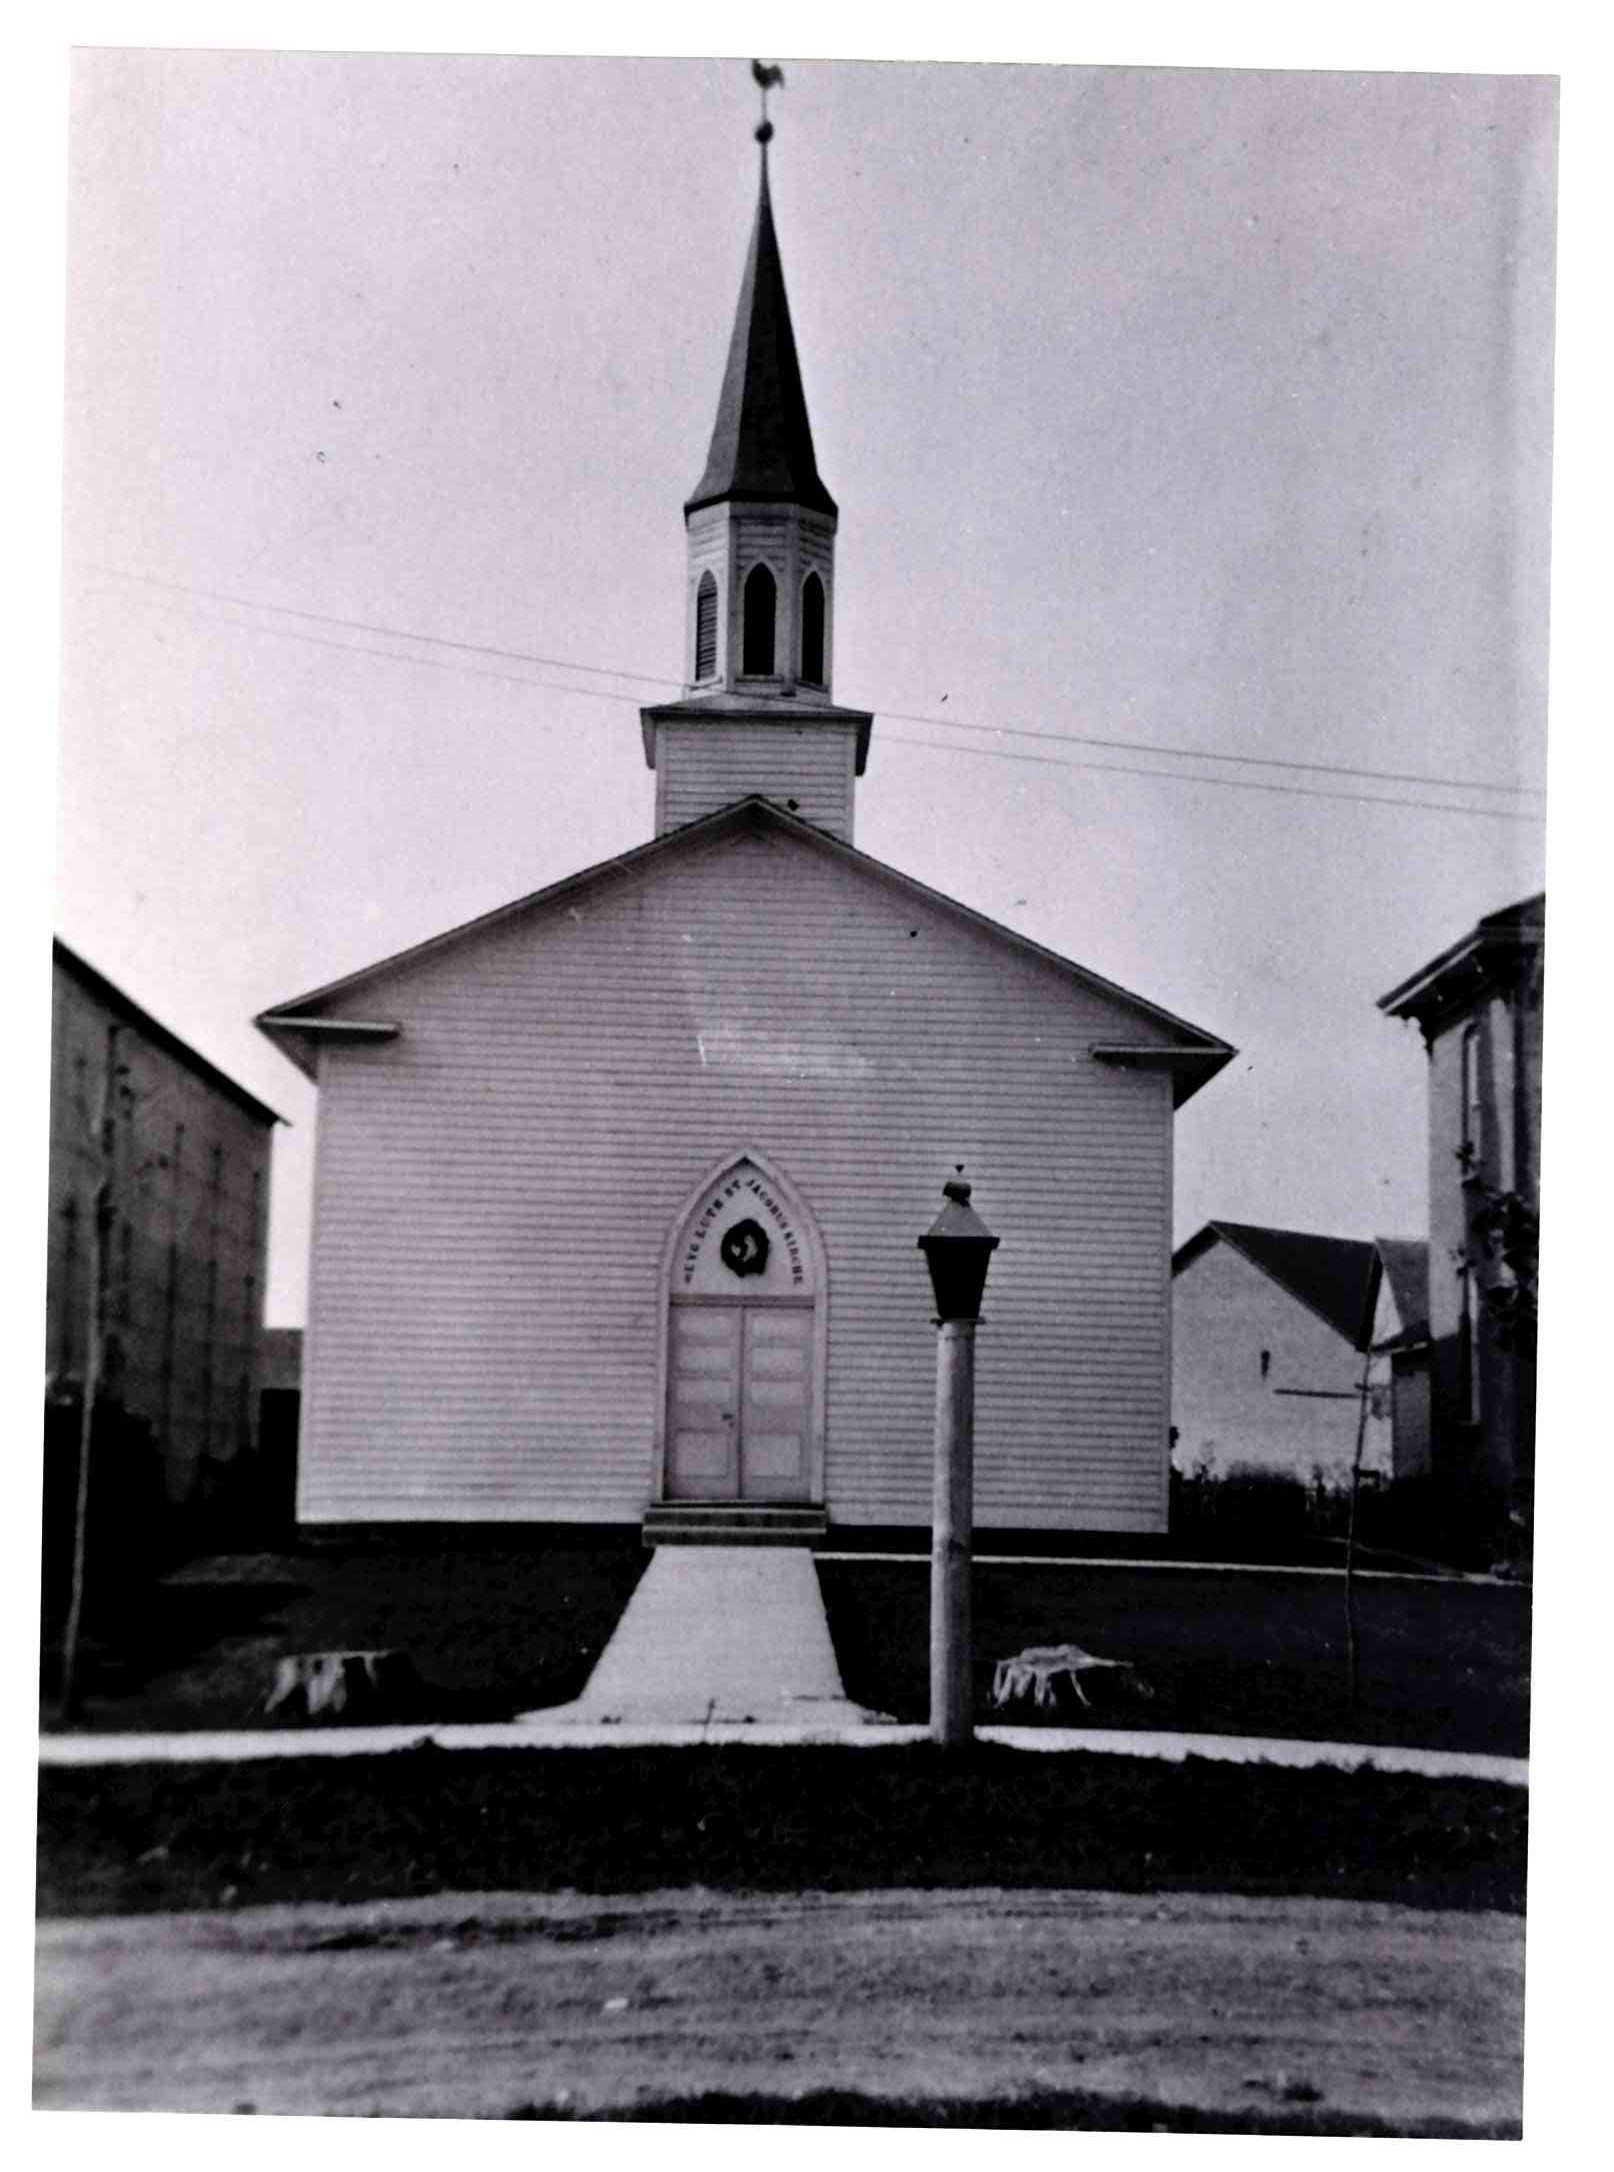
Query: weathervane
pixel 767 78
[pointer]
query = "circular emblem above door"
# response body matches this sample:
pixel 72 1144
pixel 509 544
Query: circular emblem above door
pixel 744 1249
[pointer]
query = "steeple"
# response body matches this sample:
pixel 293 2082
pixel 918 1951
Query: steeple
pixel 762 441
pixel 760 585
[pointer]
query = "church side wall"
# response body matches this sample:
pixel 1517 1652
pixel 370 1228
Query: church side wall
pixel 495 1189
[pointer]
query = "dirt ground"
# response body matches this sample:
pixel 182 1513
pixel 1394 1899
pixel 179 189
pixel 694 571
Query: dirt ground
pixel 469 2005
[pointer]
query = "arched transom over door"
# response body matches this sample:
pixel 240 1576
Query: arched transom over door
pixel 745 1344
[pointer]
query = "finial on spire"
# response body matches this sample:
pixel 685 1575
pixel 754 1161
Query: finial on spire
pixel 767 77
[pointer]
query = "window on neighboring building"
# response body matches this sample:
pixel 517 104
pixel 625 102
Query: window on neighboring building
pixel 761 596
pixel 812 630
pixel 1266 1363
pixel 706 627
pixel 1473 1140
pixel 1468 1350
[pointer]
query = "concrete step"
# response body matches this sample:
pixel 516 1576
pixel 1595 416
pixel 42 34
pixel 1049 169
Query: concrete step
pixel 732 1523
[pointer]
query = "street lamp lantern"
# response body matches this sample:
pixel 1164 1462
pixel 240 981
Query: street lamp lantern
pixel 958 1250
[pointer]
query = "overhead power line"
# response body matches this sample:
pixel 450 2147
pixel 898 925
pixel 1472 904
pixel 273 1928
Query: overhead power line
pixel 1227 784
pixel 1165 753
pixel 390 633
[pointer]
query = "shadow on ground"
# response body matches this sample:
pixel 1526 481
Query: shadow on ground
pixel 489 1629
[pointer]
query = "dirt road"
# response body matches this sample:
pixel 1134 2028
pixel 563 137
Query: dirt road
pixel 479 2004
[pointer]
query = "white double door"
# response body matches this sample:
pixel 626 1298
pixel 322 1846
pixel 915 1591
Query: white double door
pixel 739 1396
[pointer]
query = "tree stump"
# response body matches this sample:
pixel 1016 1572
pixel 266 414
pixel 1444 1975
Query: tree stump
pixel 331 1685
pixel 1042 1666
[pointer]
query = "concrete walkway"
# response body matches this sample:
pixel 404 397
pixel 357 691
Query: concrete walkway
pixel 544 1732
pixel 730 1634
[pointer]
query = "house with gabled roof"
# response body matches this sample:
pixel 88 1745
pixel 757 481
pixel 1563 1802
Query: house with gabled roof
pixel 617 1188
pixel 1274 1332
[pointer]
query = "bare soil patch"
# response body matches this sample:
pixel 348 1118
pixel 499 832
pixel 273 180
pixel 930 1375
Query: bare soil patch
pixel 997 2008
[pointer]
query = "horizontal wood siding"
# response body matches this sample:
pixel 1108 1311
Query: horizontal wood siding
pixel 495 1188
pixel 807 769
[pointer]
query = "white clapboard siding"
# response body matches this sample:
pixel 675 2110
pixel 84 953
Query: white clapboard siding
pixel 807 769
pixel 495 1188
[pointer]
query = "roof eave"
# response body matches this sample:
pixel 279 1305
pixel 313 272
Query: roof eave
pixel 761 709
pixel 298 1035
pixel 1191 1067
pixel 1436 984
pixel 809 497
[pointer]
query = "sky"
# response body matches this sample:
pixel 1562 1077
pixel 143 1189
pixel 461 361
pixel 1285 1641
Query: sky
pixel 1196 409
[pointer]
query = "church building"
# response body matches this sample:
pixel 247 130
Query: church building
pixel 618 1187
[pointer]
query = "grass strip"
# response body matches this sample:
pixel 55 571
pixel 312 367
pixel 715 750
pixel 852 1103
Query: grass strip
pixel 421 1821
pixel 1070 2109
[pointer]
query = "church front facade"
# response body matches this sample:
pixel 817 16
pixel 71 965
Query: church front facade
pixel 618 1189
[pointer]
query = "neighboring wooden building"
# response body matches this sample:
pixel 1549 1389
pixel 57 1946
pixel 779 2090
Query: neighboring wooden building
pixel 1479 1008
pixel 1401 1339
pixel 1269 1332
pixel 190 1204
pixel 618 1188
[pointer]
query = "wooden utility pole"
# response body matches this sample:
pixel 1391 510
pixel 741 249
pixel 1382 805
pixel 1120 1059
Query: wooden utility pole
pixel 104 1143
pixel 1363 1394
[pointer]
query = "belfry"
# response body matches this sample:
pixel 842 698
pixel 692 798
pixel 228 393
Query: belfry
pixel 760 613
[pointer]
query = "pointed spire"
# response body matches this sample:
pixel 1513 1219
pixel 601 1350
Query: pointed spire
pixel 762 442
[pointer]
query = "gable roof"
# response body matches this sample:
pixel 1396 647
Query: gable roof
pixel 159 1035
pixel 1335 1277
pixel 1191 1054
pixel 1406 1270
pixel 762 442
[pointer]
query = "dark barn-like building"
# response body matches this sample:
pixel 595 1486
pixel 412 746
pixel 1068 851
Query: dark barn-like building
pixel 183 1299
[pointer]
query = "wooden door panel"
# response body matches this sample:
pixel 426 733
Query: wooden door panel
pixel 703 1397
pixel 776 1403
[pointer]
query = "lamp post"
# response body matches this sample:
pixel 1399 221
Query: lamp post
pixel 958 1250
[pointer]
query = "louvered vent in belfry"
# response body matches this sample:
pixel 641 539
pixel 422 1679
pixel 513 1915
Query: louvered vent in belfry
pixel 706 628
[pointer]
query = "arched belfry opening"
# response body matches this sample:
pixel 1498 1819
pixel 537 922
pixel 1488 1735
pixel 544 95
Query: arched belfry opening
pixel 745 1325
pixel 812 631
pixel 761 608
